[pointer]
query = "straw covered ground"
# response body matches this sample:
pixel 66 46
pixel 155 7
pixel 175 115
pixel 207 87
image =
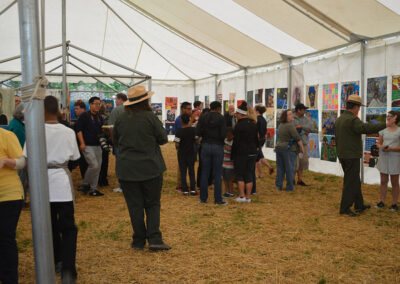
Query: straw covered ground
pixel 280 237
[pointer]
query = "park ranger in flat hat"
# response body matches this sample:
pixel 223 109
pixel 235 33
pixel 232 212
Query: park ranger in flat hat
pixel 348 131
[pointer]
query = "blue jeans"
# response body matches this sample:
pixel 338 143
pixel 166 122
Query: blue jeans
pixel 212 156
pixel 285 164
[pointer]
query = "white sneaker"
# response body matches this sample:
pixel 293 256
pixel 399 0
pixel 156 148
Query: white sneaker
pixel 117 189
pixel 248 200
pixel 241 199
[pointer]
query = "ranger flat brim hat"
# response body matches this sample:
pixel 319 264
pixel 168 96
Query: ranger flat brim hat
pixel 355 100
pixel 136 95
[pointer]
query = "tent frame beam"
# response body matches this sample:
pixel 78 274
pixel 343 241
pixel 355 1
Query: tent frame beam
pixel 82 75
pixel 8 7
pixel 137 34
pixel 19 56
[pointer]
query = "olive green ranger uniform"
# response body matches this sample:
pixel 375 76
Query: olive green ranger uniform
pixel 348 131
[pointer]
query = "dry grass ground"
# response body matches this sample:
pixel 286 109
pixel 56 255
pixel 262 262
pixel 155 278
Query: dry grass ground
pixel 280 237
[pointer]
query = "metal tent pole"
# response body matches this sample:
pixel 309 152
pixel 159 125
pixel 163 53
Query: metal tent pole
pixel 36 144
pixel 216 87
pixel 362 95
pixel 64 52
pixel 194 90
pixel 245 83
pixel 289 94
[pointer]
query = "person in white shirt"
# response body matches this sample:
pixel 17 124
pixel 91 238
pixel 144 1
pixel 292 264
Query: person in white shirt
pixel 61 147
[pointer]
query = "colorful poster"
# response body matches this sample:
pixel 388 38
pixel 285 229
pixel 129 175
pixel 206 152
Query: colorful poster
pixel 377 92
pixel 396 91
pixel 157 109
pixel 73 115
pixel 282 98
pixel 109 104
pixel 313 145
pixel 328 148
pixel 349 88
pixel 297 96
pixel 313 115
pixel 232 98
pixel 269 97
pixel 270 118
pixel 328 122
pixel 170 127
pixel 226 106
pixel 207 101
pixel 249 98
pixel 270 138
pixel 312 96
pixel 369 142
pixel 171 115
pixel 375 116
pixel 171 105
pixel 239 102
pixel 258 96
pixel 330 97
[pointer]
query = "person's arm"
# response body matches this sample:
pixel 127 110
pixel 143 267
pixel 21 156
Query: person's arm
pixel 199 126
pixel 222 130
pixel 82 145
pixel 366 128
pixel 159 131
pixel 15 164
pixel 300 146
pixel 293 133
pixel 80 126
pixel 379 143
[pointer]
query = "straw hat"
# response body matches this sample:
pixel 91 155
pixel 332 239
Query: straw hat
pixel 355 100
pixel 137 94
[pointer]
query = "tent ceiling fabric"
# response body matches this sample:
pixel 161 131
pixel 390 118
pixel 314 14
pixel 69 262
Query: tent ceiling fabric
pixel 192 42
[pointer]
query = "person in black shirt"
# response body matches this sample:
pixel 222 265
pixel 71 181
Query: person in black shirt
pixel 88 128
pixel 211 128
pixel 262 132
pixel 185 138
pixel 244 152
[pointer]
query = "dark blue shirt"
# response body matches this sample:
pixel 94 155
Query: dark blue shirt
pixel 178 123
pixel 90 125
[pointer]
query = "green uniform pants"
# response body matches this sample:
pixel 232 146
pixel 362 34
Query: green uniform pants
pixel 141 197
pixel 351 185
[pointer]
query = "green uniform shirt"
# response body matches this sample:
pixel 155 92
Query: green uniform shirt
pixel 138 136
pixel 348 130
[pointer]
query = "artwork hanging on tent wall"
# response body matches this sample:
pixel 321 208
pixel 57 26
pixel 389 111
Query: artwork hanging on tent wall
pixel 313 145
pixel 270 117
pixel 297 96
pixel 348 88
pixel 312 96
pixel 328 122
pixel 171 105
pixel 226 106
pixel 375 115
pixel 270 138
pixel 232 98
pixel 278 115
pixel 396 91
pixel 328 148
pixel 282 99
pixel 249 98
pixel 170 127
pixel 369 142
pixel 207 101
pixel 239 102
pixel 312 114
pixel 330 97
pixel 377 92
pixel 157 110
pixel 269 97
pixel 109 104
pixel 258 96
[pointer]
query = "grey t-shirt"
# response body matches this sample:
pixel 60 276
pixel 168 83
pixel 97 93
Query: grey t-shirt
pixel 115 113
pixel 308 126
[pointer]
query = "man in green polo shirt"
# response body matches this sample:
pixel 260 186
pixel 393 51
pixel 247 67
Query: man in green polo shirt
pixel 348 131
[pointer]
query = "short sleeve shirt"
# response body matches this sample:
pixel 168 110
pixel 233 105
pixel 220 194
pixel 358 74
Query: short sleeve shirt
pixel 186 139
pixel 10 184
pixel 90 125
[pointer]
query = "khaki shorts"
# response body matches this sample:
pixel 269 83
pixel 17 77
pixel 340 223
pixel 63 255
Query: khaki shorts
pixel 302 164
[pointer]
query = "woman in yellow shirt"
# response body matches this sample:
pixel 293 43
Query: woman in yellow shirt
pixel 11 201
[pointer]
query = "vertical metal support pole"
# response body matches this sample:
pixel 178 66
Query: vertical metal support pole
pixel 289 76
pixel 149 84
pixel 245 83
pixel 216 87
pixel 362 94
pixel 194 90
pixel 64 53
pixel 36 144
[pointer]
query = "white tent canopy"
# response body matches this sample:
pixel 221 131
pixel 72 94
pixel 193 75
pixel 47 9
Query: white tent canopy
pixel 180 39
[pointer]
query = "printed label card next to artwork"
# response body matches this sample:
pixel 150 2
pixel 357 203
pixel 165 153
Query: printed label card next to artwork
pixel 282 98
pixel 377 92
pixel 330 97
pixel 328 148
pixel 349 88
pixel 249 98
pixel 396 91
pixel 312 96
pixel 269 97
pixel 328 122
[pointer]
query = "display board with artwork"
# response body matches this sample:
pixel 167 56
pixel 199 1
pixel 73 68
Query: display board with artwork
pixel 328 148
pixel 270 117
pixel 328 120
pixel 258 96
pixel 269 97
pixel 297 96
pixel 313 145
pixel 348 89
pixel 377 92
pixel 270 138
pixel 312 96
pixel 249 98
pixel 171 106
pixel 282 98
pixel 157 110
pixel 330 97
pixel 396 91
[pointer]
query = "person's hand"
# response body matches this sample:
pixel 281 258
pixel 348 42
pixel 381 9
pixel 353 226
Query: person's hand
pixel 388 149
pixel 82 147
pixel 2 163
pixel 306 133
